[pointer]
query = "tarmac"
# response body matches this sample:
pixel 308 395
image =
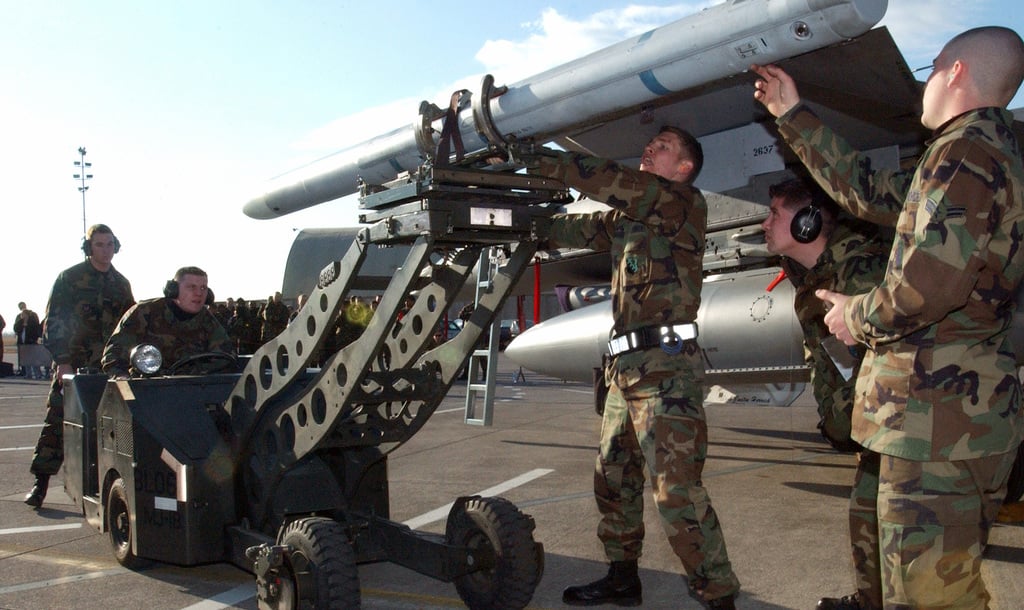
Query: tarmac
pixel 778 488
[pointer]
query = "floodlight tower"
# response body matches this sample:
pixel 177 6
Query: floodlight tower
pixel 83 175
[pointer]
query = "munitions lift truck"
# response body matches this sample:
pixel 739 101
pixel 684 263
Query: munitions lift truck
pixel 282 469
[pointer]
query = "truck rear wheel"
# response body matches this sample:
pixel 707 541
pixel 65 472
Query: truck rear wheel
pixel 321 567
pixel 119 525
pixel 496 524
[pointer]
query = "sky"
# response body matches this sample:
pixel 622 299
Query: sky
pixel 187 108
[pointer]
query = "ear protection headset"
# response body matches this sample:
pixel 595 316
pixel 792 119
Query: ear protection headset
pixel 806 224
pixel 87 244
pixel 171 291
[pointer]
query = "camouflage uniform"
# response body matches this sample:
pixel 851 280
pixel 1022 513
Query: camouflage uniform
pixel 84 306
pixel 853 262
pixel 654 413
pixel 175 333
pixel 938 394
pixel 275 320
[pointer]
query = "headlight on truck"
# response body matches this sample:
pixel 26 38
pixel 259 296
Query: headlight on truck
pixel 146 359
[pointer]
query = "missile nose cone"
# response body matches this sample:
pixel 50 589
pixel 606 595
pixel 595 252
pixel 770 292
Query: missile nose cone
pixel 520 349
pixel 258 208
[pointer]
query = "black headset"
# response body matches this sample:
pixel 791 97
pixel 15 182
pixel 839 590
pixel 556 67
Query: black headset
pixel 806 224
pixel 171 292
pixel 87 243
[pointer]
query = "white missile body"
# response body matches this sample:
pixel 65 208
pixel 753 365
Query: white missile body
pixel 745 332
pixel 716 43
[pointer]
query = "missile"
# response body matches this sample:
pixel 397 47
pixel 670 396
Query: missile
pixel 719 42
pixel 747 334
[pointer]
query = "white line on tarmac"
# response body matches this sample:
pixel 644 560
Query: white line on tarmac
pixel 16 448
pixel 22 426
pixel 40 528
pixel 227 598
pixel 244 592
pixel 61 581
pixel 440 513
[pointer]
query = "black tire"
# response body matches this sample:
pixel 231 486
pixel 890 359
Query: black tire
pixel 321 550
pixel 496 523
pixel 118 519
pixel 1015 484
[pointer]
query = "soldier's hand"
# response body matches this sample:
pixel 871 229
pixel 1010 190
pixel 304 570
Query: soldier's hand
pixel 528 154
pixel 775 89
pixel 834 319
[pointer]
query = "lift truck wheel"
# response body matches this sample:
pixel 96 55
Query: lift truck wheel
pixel 320 569
pixel 119 525
pixel 497 524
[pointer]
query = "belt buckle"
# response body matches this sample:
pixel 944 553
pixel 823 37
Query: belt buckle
pixel 669 340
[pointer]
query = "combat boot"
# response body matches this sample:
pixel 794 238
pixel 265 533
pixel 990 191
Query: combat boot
pixel 35 497
pixel 846 602
pixel 620 587
pixel 722 603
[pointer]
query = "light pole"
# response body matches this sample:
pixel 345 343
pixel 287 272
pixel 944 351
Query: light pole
pixel 84 175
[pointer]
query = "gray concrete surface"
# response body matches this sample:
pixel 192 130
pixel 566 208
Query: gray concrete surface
pixel 778 489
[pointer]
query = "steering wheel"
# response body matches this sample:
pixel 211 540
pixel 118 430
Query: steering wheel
pixel 205 363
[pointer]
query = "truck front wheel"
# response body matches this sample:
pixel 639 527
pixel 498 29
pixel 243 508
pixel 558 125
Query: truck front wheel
pixel 496 525
pixel 320 567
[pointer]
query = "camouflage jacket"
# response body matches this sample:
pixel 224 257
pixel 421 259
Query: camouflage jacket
pixel 940 380
pixel 655 235
pixel 83 309
pixel 275 320
pixel 853 262
pixel 153 321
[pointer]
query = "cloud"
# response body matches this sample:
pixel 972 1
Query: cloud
pixel 558 39
pixel 907 20
pixel 551 40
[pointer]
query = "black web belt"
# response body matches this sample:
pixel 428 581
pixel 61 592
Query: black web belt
pixel 669 338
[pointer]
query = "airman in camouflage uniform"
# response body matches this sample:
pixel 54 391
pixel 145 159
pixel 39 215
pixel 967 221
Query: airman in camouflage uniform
pixel 847 256
pixel 180 325
pixel 654 413
pixel 85 304
pixel 937 395
pixel 274 317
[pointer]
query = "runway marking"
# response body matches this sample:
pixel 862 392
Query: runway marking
pixel 227 598
pixel 244 592
pixel 40 584
pixel 21 426
pixel 40 528
pixel 440 513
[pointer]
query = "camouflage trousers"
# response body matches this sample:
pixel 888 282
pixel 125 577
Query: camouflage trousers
pixel 928 530
pixel 49 453
pixel 864 531
pixel 659 424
